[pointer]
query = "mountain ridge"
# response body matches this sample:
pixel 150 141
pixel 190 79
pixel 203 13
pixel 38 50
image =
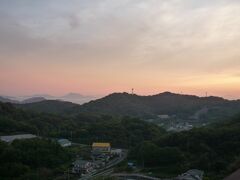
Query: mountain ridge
pixel 71 97
pixel 146 107
pixel 162 103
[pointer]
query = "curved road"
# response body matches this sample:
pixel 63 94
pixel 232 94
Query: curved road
pixel 108 169
pixel 137 176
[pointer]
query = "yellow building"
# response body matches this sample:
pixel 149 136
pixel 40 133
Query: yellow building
pixel 102 147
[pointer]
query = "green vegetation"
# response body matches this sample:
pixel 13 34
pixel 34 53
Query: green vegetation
pixel 214 149
pixel 121 132
pixel 149 107
pixel 49 106
pixel 31 159
pixel 181 107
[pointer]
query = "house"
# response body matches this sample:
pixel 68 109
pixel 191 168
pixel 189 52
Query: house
pixel 163 116
pixel 99 164
pixel 82 167
pixel 193 174
pixel 64 142
pixel 131 164
pixel 116 152
pixel 10 139
pixel 101 147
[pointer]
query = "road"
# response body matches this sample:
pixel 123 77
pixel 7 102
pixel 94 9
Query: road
pixel 108 169
pixel 134 176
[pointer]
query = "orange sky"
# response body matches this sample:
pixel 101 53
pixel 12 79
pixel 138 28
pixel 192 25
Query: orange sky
pixel 100 47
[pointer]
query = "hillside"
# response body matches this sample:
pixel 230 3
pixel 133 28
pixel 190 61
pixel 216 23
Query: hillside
pixel 180 107
pixel 25 101
pixel 214 149
pixel 33 100
pixel 49 106
pixel 84 128
pixel 4 99
pixel 31 159
pixel 76 98
pixel 70 97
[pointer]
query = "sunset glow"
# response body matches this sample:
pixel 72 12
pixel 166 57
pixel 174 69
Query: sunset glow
pixel 102 46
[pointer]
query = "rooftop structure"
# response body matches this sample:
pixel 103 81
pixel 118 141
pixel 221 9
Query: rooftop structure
pixel 101 147
pixel 117 152
pixel 101 144
pixel 193 174
pixel 163 116
pixel 10 139
pixel 64 142
pixel 82 167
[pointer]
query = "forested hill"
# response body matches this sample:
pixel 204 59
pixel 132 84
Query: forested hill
pixel 50 106
pixel 3 99
pixel 84 128
pixel 168 103
pixel 214 149
pixel 122 104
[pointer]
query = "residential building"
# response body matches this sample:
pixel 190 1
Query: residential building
pixel 116 152
pixel 10 139
pixel 82 167
pixel 64 142
pixel 101 147
pixel 163 116
pixel 193 174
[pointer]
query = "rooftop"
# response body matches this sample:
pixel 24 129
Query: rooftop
pixel 101 145
pixel 80 162
pixel 193 174
pixel 63 141
pixel 11 138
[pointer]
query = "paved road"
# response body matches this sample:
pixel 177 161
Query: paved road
pixel 108 169
pixel 134 176
pixel 103 173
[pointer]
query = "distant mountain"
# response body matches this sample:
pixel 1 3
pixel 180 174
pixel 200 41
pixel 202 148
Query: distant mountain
pixel 70 97
pixel 76 98
pixel 73 96
pixel 5 99
pixel 26 101
pixel 33 100
pixel 147 107
pixel 49 106
pixel 46 96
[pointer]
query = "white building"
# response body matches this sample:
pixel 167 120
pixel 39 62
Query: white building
pixel 163 116
pixel 10 139
pixel 64 142
pixel 117 152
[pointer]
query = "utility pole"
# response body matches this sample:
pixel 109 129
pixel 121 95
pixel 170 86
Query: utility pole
pixel 132 91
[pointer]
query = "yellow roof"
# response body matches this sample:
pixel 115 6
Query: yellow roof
pixel 101 145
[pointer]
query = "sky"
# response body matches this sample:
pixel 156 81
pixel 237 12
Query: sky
pixel 102 46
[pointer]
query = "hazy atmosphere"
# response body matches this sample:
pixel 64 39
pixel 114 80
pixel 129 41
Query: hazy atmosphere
pixel 101 46
pixel 120 89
